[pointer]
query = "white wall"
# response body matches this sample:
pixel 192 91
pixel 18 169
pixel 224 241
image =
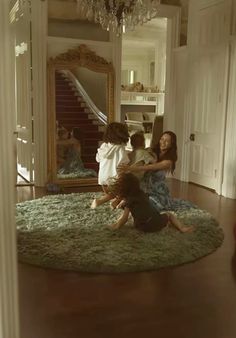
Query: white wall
pixel 140 64
pixel 160 64
pixel 95 85
pixel 140 58
pixel 180 89
pixel 77 29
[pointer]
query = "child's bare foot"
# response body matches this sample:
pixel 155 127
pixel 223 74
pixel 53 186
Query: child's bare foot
pixel 94 204
pixel 114 203
pixel 121 204
pixel 187 229
pixel 114 226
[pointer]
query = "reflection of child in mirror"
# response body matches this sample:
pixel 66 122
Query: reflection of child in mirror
pixel 62 145
pixel 110 155
pixel 77 139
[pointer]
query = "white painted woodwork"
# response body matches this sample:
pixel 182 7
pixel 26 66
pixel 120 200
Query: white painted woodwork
pixel 172 14
pixel 229 177
pixel 9 314
pixel 209 23
pixel 144 99
pixel 116 42
pixel 39 93
pixel 180 84
pixel 20 27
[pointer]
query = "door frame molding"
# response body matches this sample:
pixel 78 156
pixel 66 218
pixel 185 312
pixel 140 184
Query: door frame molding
pixel 228 176
pixel 185 155
pixel 9 307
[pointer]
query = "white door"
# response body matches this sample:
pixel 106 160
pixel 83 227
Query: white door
pixel 20 18
pixel 208 71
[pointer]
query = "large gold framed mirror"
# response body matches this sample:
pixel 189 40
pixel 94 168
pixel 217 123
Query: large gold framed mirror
pixel 80 104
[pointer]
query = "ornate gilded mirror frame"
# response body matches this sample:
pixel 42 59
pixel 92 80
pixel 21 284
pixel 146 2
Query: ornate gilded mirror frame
pixel 81 56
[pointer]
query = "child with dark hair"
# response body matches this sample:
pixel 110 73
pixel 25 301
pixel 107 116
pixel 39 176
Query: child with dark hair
pixel 109 155
pixel 140 155
pixel 146 217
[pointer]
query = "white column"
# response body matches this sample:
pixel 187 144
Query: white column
pixel 39 64
pixel 116 58
pixel 180 82
pixel 229 172
pixel 9 325
pixel 173 26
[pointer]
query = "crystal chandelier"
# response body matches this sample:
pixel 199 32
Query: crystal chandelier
pixel 119 15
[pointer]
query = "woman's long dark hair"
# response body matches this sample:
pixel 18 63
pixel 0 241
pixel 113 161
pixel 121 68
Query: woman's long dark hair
pixel 171 153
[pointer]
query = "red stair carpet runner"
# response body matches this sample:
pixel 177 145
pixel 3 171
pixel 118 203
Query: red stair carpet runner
pixel 71 111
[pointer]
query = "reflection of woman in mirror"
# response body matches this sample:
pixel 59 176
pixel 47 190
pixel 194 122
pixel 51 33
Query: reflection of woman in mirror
pixel 73 167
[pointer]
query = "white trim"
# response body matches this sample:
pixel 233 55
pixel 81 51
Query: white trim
pixel 173 37
pixel 229 172
pixel 105 44
pixel 9 312
pixel 185 156
pixel 222 131
pixel 39 66
pixel 116 60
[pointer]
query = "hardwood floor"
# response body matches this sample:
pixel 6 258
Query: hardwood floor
pixel 196 300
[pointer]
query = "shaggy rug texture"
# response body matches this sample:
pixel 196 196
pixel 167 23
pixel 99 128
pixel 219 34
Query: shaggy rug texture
pixel 62 232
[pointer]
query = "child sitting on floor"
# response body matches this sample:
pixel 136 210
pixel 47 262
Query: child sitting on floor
pixel 146 217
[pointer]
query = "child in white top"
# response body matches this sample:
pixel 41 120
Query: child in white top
pixel 110 155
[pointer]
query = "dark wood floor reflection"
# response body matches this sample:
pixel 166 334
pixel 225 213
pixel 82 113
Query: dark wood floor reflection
pixel 196 300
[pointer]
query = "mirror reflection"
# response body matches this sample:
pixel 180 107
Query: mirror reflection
pixel 81 103
pixel 78 130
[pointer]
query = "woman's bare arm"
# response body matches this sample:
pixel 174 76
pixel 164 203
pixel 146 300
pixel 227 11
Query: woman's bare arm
pixel 162 165
pixel 121 220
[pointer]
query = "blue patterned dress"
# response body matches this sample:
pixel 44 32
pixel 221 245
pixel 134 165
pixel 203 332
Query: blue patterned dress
pixel 154 184
pixel 73 166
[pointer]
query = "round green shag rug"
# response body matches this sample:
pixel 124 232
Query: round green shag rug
pixel 62 232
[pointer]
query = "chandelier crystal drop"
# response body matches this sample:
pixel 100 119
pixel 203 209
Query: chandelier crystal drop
pixel 119 16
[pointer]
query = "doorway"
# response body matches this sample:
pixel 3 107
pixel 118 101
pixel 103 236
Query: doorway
pixel 143 74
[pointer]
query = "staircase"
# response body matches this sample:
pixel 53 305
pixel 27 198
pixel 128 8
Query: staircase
pixel 72 111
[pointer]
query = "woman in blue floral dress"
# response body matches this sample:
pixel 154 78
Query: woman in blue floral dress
pixel 154 180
